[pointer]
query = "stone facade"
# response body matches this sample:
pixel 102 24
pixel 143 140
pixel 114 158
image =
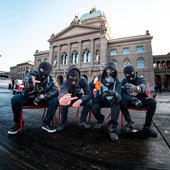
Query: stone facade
pixel 87 43
pixel 19 71
pixel 39 57
pixel 161 65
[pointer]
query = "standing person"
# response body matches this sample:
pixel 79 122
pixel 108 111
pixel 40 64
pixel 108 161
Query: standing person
pixel 71 94
pixel 107 91
pixel 134 94
pixel 41 90
pixel 13 82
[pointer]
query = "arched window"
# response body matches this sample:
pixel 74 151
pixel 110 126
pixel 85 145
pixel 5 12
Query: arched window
pixel 55 61
pixel 154 65
pixel 126 62
pixel 64 58
pixel 86 56
pixel 97 59
pixel 74 57
pixel 140 63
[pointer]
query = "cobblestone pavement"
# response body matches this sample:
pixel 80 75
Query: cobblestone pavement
pixel 76 148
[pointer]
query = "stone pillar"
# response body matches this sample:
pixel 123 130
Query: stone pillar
pixel 80 53
pixel 92 51
pixel 51 54
pixel 58 57
pixel 103 53
pixel 68 53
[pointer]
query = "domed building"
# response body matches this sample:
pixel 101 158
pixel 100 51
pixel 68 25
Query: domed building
pixel 87 42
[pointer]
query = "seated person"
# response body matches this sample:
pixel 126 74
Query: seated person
pixel 134 94
pixel 106 93
pixel 40 90
pixel 71 95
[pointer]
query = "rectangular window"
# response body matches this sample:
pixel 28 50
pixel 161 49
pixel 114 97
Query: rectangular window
pixel 113 52
pixel 140 64
pixel 139 49
pixel 39 61
pixel 126 50
pixel 45 59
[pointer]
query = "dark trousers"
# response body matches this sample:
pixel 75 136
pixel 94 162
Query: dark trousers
pixel 147 102
pixel 18 101
pixel 115 110
pixel 85 110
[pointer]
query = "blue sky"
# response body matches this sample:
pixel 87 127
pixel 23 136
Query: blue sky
pixel 26 25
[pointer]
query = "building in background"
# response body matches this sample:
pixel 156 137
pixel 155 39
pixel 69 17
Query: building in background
pixel 20 70
pixel 161 64
pixel 87 43
pixel 40 56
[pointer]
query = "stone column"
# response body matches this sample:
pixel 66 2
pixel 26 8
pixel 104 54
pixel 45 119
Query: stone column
pixel 58 57
pixel 92 51
pixel 51 54
pixel 80 53
pixel 68 53
pixel 103 53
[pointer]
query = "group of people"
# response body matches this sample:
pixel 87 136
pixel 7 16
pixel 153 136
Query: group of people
pixel 105 90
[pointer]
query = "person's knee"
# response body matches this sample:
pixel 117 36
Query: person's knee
pixel 123 104
pixel 54 102
pixel 14 100
pixel 88 104
pixel 95 108
pixel 152 103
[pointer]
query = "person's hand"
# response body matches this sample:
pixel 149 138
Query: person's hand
pixel 109 93
pixel 66 99
pixel 42 96
pixel 137 102
pixel 132 88
pixel 34 81
pixel 77 103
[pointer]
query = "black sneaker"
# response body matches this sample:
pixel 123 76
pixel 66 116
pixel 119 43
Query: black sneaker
pixel 112 131
pixel 98 125
pixel 128 127
pixel 113 136
pixel 48 128
pixel 85 125
pixel 149 132
pixel 61 127
pixel 14 130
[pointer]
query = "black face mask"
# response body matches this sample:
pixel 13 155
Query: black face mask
pixel 73 77
pixel 43 75
pixel 110 72
pixel 44 70
pixel 129 73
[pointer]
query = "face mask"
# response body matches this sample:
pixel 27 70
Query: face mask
pixel 43 74
pixel 73 77
pixel 44 70
pixel 110 72
pixel 109 79
pixel 129 73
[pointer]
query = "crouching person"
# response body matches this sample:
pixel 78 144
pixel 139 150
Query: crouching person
pixel 106 93
pixel 134 94
pixel 40 90
pixel 74 92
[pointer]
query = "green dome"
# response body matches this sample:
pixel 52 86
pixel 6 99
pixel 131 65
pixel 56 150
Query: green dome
pixel 92 14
